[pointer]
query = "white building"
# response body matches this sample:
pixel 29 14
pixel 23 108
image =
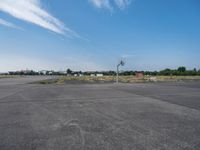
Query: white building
pixel 92 75
pixel 99 75
pixel 43 72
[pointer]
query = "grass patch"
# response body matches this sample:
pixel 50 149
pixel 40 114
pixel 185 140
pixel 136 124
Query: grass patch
pixel 176 78
pixel 48 81
pixel 8 76
pixel 112 79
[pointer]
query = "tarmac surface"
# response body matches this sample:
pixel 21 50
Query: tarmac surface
pixel 150 116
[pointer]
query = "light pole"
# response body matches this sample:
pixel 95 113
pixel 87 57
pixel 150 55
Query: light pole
pixel 121 63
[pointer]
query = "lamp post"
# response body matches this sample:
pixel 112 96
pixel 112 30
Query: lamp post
pixel 121 63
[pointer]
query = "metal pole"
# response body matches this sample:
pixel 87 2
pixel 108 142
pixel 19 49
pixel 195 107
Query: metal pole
pixel 117 74
pixel 122 64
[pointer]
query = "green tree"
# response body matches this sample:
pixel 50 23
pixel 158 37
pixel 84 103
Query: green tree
pixel 182 69
pixel 69 71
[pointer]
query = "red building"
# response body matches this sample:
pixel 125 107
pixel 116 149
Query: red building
pixel 139 74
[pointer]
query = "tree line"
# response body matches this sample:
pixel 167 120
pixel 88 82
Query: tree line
pixel 181 71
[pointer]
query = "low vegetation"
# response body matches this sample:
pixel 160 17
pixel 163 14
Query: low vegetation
pixel 8 76
pixel 122 79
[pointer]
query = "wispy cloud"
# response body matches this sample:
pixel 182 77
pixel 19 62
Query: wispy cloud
pixel 31 11
pixel 122 3
pixel 110 4
pixel 102 4
pixel 8 24
pixel 128 55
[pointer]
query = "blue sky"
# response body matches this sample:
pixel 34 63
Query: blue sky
pixel 96 34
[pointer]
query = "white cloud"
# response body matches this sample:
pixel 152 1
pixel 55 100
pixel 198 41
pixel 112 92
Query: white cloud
pixel 102 4
pixel 31 11
pixel 122 3
pixel 128 55
pixel 108 4
pixel 8 24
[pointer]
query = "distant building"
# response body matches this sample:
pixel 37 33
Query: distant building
pixel 99 75
pixel 62 72
pixel 50 72
pixel 139 75
pixel 92 75
pixel 43 72
pixel 26 71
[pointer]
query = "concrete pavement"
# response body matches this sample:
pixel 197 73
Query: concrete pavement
pixel 155 116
